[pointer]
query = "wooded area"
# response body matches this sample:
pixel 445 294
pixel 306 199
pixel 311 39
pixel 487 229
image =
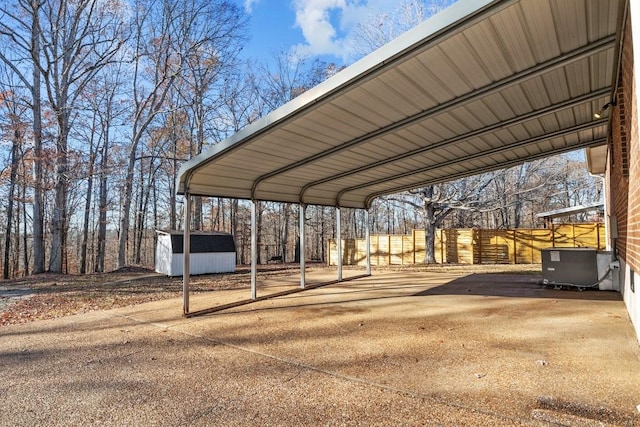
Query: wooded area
pixel 470 246
pixel 101 101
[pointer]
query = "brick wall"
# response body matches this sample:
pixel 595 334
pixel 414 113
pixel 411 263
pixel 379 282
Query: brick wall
pixel 624 174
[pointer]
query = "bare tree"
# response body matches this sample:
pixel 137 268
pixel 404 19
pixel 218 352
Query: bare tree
pixel 517 194
pixel 435 202
pixel 14 129
pixel 156 65
pixel 217 40
pixel 106 90
pixel 20 35
pixel 68 43
pixel 168 35
pixel 376 30
pixel 80 38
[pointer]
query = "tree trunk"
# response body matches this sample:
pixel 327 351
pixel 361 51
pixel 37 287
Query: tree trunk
pixel 102 206
pixel 142 213
pixel 429 226
pixel 172 185
pixel 156 224
pixel 38 197
pixel 235 228
pixel 59 219
pixel 259 212
pixel 87 204
pixel 286 212
pixel 25 238
pixel 517 210
pixel 12 188
pixel 137 217
pixel 85 224
pixel 126 208
pixel 16 240
pixel 323 235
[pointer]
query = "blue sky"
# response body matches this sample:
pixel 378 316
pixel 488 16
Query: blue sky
pixel 272 28
pixel 322 28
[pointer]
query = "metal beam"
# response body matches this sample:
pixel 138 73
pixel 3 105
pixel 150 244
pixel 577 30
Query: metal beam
pixel 186 254
pixel 302 246
pixel 254 251
pixel 367 238
pixel 339 242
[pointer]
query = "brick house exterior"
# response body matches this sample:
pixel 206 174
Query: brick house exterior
pixel 623 166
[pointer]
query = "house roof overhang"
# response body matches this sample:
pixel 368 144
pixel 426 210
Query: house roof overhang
pixel 481 86
pixel 597 159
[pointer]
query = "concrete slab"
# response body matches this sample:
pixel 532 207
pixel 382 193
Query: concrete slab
pixel 392 349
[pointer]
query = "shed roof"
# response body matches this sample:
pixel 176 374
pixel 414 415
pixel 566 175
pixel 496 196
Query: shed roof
pixel 200 242
pixel 481 86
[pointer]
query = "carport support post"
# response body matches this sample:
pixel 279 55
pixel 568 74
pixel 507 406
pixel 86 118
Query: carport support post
pixel 301 245
pixel 254 250
pixel 367 238
pixel 339 242
pixel 186 253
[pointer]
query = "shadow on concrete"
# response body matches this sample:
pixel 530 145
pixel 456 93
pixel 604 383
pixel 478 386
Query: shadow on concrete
pixel 479 284
pixel 520 286
pixel 267 297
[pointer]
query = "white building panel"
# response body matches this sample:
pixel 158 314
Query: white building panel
pixel 170 256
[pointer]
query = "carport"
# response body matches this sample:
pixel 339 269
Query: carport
pixel 481 86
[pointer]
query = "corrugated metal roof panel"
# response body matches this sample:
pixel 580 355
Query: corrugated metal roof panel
pixel 476 88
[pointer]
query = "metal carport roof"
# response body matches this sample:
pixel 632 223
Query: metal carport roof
pixel 481 86
pixel 572 210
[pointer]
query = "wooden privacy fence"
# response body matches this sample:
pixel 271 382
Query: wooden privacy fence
pixel 470 246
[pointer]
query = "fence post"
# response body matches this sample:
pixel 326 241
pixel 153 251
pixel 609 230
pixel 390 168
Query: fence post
pixel 413 243
pixel 530 260
pixel 480 246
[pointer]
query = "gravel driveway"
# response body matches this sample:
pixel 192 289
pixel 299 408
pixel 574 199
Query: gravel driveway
pixel 391 349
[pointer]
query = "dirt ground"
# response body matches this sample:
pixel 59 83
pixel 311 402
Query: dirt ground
pixel 406 346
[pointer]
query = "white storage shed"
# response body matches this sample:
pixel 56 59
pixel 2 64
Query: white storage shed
pixel 210 253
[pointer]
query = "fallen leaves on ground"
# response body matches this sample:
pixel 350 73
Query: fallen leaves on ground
pixel 57 295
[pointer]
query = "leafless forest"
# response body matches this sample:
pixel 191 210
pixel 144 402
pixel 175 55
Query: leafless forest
pixel 101 101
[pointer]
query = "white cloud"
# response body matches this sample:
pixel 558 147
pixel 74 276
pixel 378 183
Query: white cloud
pixel 248 5
pixel 323 24
pixel 328 26
pixel 313 17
